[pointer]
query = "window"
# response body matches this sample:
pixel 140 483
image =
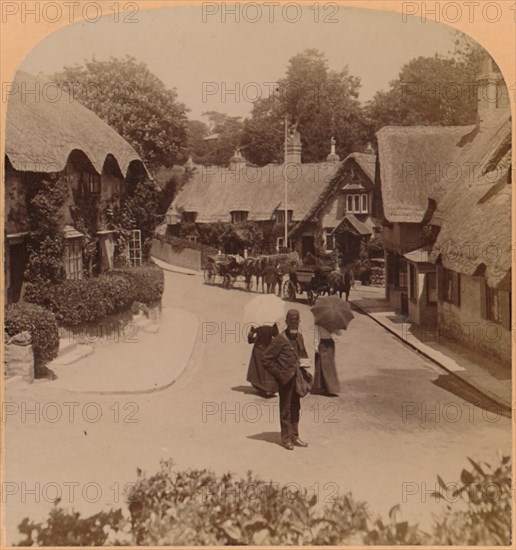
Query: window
pixel 239 216
pixel 494 306
pixel 402 273
pixel 329 240
pixel 73 258
pixel 451 287
pixel 280 216
pixel 189 217
pixel 364 204
pixel 412 283
pixel 192 238
pixel 431 288
pixel 90 183
pixel 357 204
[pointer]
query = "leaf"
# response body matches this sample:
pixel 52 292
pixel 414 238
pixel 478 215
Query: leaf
pixel 393 511
pixel 232 531
pixel 477 466
pixel 261 537
pixel 466 477
pixel 441 483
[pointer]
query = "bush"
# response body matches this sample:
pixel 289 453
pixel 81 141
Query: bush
pixel 199 508
pixel 85 300
pixel 146 283
pixel 42 326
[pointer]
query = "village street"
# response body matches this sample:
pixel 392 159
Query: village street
pixel 394 427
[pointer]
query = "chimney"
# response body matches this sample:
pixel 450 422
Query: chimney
pixel 237 161
pixel 333 157
pixel 492 93
pixel 369 148
pixel 293 148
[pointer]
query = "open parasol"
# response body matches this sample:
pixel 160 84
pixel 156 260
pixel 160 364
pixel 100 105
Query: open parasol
pixel 332 313
pixel 264 310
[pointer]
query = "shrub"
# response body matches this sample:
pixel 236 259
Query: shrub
pixel 42 326
pixel 147 282
pixel 199 508
pixel 84 300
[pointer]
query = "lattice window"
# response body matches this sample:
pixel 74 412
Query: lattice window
pixel 135 248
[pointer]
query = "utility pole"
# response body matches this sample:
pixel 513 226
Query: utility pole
pixel 285 241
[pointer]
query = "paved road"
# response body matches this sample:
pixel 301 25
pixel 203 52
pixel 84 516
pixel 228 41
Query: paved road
pixel 398 422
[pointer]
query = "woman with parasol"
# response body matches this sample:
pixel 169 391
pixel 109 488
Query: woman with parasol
pixel 330 316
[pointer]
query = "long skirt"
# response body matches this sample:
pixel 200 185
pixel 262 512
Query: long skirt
pixel 257 375
pixel 325 377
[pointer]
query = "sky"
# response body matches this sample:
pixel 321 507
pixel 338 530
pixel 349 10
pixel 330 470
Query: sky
pixel 205 60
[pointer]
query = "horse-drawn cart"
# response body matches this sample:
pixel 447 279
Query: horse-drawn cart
pixel 228 270
pixel 310 280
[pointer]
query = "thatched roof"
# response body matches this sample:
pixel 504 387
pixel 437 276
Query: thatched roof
pixel 414 163
pixel 474 216
pixel 367 163
pixel 214 191
pixel 43 128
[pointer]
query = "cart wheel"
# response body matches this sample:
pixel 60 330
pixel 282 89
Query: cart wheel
pixel 226 281
pixel 289 291
pixel 311 297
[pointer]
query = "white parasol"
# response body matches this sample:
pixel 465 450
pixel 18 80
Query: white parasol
pixel 264 310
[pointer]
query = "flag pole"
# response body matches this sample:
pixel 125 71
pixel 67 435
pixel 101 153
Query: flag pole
pixel 285 242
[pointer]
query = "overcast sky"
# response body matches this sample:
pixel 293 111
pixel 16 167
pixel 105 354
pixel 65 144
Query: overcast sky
pixel 185 52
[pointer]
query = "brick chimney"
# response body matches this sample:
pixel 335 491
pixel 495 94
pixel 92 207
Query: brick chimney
pixel 333 157
pixel 492 92
pixel 237 161
pixel 293 148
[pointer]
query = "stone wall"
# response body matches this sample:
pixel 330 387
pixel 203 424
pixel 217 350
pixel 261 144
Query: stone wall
pixel 188 258
pixel 19 361
pixel 464 325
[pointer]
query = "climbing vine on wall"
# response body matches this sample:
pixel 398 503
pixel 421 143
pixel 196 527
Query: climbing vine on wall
pixel 45 243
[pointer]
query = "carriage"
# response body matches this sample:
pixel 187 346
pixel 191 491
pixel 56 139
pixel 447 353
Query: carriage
pixel 314 281
pixel 229 270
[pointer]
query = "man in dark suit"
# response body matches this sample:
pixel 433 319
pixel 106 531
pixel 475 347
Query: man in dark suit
pixel 281 359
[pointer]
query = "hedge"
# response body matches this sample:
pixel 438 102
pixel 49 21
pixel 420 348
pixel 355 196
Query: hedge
pixel 88 300
pixel 200 508
pixel 41 324
pixel 147 282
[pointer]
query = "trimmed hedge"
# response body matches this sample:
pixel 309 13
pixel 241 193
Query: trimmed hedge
pixel 89 300
pixel 43 328
pixel 147 282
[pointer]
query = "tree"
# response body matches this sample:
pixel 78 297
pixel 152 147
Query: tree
pixel 197 147
pixel 229 130
pixel 323 103
pixel 130 98
pixel 434 91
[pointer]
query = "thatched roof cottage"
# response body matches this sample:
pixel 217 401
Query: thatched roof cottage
pixel 243 193
pixel 446 213
pixel 50 134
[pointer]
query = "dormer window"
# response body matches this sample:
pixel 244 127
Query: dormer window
pixel 189 217
pixel 239 216
pixel 357 204
pixel 280 216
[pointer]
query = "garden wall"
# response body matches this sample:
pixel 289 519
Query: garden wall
pixel 181 257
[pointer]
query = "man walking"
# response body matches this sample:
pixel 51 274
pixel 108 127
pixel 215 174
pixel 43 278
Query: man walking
pixel 281 359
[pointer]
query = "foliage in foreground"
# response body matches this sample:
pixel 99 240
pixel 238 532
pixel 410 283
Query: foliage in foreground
pixel 197 507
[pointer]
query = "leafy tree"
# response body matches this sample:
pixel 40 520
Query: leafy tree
pixel 323 103
pixel 130 98
pixel 434 91
pixel 229 130
pixel 197 147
